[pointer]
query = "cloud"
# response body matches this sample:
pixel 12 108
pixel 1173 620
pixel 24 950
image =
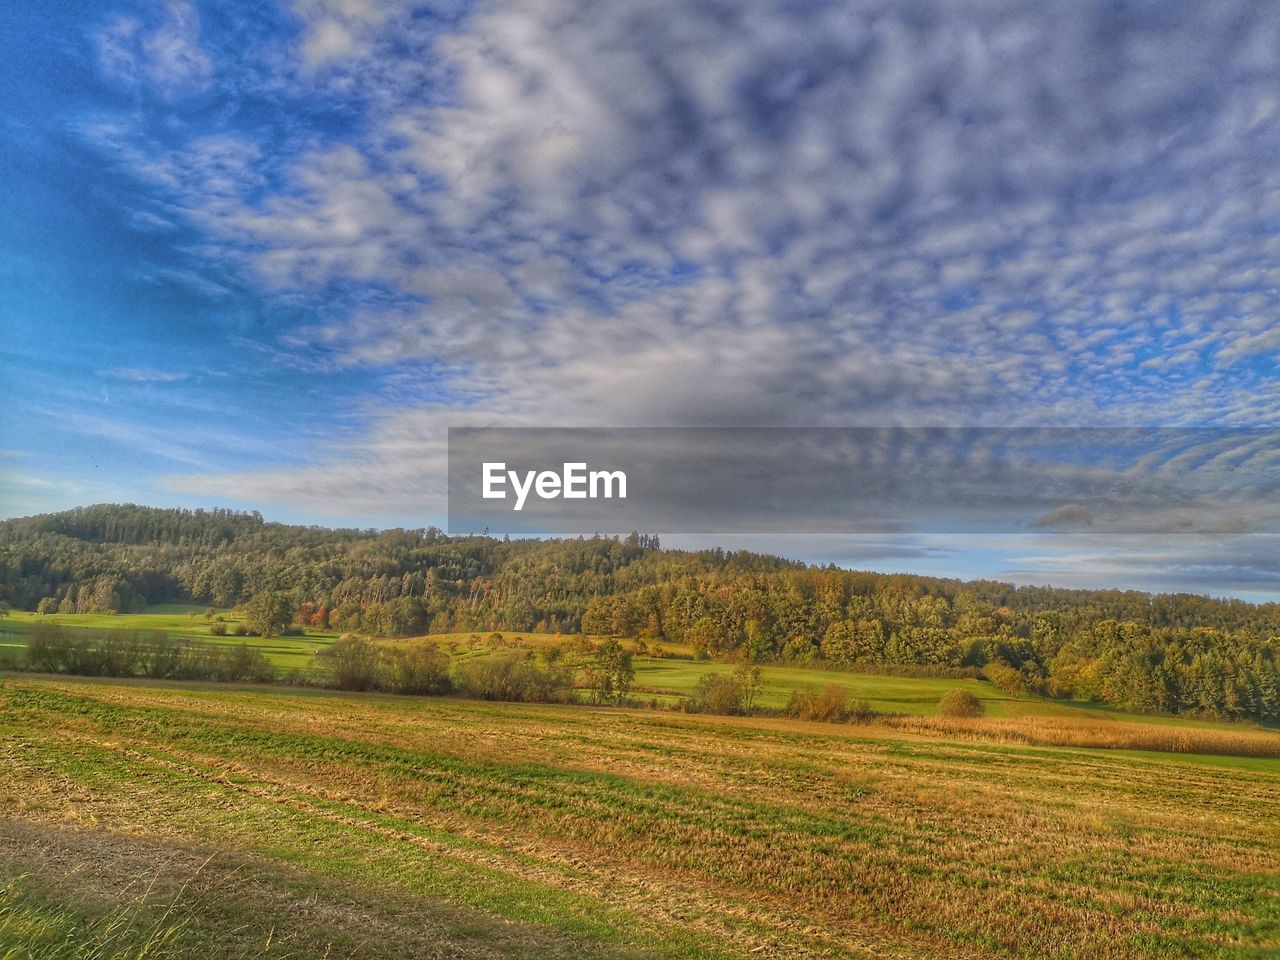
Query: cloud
pixel 144 375
pixel 1243 565
pixel 340 29
pixel 744 213
pixel 162 48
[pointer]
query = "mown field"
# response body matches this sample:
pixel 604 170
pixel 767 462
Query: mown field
pixel 243 822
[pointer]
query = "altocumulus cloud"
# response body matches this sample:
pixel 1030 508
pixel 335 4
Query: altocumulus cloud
pixel 718 213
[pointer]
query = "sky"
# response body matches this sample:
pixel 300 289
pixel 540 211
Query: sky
pixel 263 255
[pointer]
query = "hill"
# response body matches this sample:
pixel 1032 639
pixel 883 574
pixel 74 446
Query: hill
pixel 1176 654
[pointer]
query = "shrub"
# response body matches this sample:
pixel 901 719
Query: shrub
pixel 218 629
pixel 155 655
pixel 719 693
pixel 350 664
pixel 959 703
pixel 515 676
pixel 830 704
pixel 47 649
pixel 242 663
pixel 862 712
pixel 160 656
pixel 418 669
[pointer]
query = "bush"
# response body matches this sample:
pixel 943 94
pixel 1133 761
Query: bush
pixel 47 648
pixel 159 656
pixel 155 655
pixel 240 663
pixel 960 703
pixel 830 704
pixel 515 676
pixel 350 664
pixel 419 669
pixel 719 693
pixel 217 629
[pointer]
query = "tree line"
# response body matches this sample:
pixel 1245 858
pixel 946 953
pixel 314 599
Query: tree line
pixel 1172 653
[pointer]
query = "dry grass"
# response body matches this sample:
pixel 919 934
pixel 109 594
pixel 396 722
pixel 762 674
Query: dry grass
pixel 1100 734
pixel 624 833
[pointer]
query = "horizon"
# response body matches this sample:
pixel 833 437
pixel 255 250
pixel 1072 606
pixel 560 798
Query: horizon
pixel 267 257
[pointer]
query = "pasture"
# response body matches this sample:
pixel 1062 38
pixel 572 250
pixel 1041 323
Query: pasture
pixel 176 620
pixel 266 822
pixel 665 681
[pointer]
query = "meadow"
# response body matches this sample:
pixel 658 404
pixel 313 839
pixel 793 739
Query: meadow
pixel 224 821
pixel 666 681
pixel 176 620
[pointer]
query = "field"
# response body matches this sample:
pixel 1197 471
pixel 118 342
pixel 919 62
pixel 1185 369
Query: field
pixel 665 680
pixel 256 822
pixel 174 619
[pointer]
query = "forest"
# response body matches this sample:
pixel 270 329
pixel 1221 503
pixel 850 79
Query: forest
pixel 1158 653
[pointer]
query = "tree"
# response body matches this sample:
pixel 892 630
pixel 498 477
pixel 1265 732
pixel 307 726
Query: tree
pixel 750 678
pixel 840 643
pixel 610 673
pixel 705 635
pixel 268 613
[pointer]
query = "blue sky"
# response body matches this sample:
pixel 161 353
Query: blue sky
pixel 263 255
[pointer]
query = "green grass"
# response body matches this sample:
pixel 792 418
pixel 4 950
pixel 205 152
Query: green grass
pixel 385 827
pixel 665 680
pixel 31 929
pixel 177 620
pixel 670 680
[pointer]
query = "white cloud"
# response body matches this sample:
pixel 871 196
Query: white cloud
pixel 164 49
pixel 340 29
pixel 144 375
pixel 663 212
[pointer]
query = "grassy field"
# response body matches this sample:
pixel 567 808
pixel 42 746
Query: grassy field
pixel 336 825
pixel 175 619
pixel 669 680
pixel 665 680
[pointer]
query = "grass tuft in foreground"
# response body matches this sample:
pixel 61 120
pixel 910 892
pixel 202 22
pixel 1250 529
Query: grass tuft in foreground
pixel 32 930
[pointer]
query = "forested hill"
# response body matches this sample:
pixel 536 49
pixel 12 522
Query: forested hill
pixel 1159 652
